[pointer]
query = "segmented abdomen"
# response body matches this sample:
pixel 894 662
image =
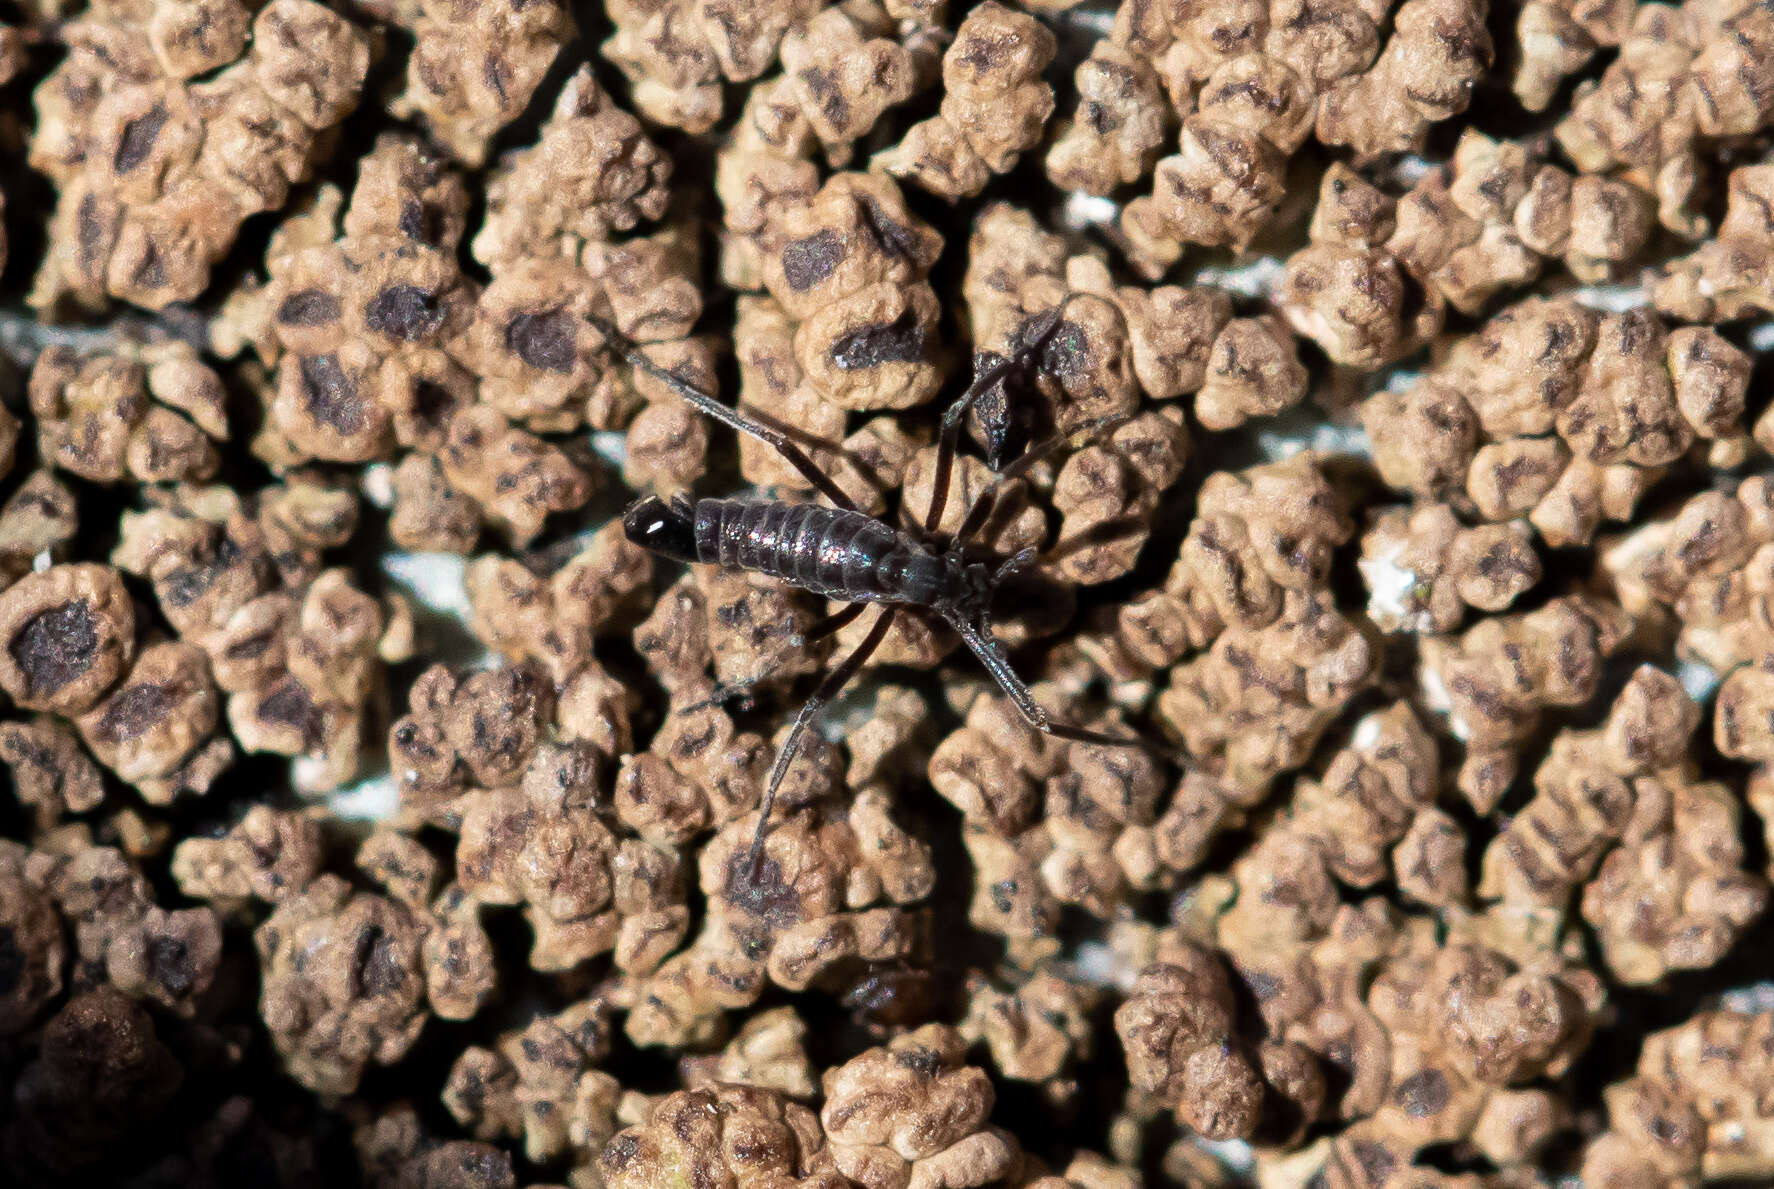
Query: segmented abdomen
pixel 828 551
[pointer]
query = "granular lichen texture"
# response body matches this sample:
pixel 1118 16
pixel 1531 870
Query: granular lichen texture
pixel 1366 419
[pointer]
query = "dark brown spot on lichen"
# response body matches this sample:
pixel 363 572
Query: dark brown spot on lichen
pixel 420 222
pixel 186 585
pixel 251 647
pixel 764 893
pixel 807 262
pixel 543 341
pixel 308 307
pixel 984 54
pixel 921 1061
pixel 621 1151
pixel 169 965
pixel 89 232
pixel 404 312
pixel 1375 1161
pixel 138 138
pixel 1423 1094
pixel 151 274
pixel 374 970
pixel 822 85
pixel 330 394
pixel 290 706
pixel 900 341
pixel 497 74
pixel 55 647
pixel 134 711
pixel 894 238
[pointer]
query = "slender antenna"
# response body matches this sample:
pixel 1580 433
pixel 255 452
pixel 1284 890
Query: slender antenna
pixel 708 406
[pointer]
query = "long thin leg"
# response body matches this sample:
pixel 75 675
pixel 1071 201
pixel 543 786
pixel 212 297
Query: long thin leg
pixel 831 624
pixel 991 654
pixel 951 436
pixel 1097 534
pixel 957 412
pixel 1021 559
pixel 828 689
pixel 981 512
pixel 837 621
pixel 708 406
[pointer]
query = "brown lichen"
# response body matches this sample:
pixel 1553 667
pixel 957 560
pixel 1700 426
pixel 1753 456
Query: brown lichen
pixel 157 166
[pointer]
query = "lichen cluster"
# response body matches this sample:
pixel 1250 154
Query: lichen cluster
pixel 1370 391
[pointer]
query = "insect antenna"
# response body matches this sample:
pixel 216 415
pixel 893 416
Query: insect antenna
pixel 708 406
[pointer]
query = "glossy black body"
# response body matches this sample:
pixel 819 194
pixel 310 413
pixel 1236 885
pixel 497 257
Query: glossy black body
pixel 832 552
pixel 844 554
pixel 667 529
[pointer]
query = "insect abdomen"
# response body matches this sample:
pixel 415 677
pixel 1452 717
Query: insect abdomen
pixel 829 551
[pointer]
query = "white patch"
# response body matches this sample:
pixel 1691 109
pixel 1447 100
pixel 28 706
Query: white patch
pixel 1412 168
pixel 378 484
pixel 41 562
pixel 1259 278
pixel 1279 445
pixel 434 580
pixel 1100 21
pixel 1435 694
pixel 611 446
pixel 1367 732
pixel 1100 965
pixel 1389 585
pixel 1403 379
pixel 1235 1154
pixel 373 800
pixel 1698 679
pixel 1762 337
pixel 1087 210
pixel 1757 997
pixel 1612 299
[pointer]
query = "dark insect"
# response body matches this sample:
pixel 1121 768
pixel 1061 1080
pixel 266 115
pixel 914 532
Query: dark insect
pixel 842 553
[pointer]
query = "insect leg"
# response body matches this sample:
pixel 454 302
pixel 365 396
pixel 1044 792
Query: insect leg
pixel 708 406
pixel 1061 730
pixel 956 413
pixel 835 622
pixel 724 691
pixel 1022 558
pixel 951 437
pixel 828 689
pixel 991 654
pixel 981 512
